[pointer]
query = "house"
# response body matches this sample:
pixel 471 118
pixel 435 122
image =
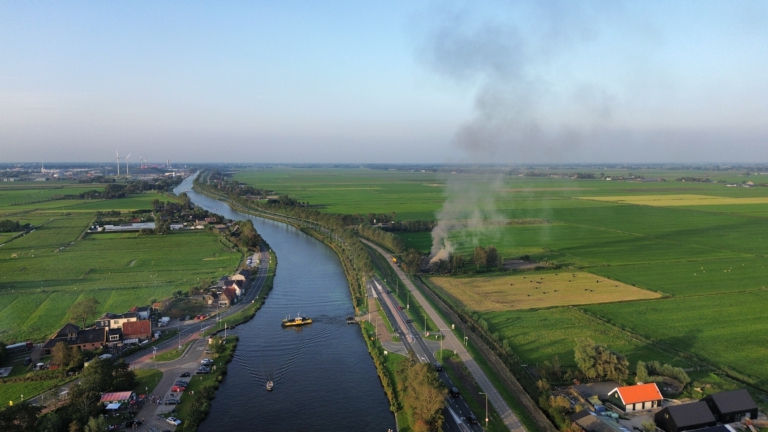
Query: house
pixel 636 398
pixel 685 417
pixel 117 397
pixel 227 297
pixel 142 312
pixel 212 298
pixel 137 330
pixel 71 334
pixel 114 336
pixel 110 320
pixel 221 228
pixel 222 282
pixel 590 422
pixel 235 285
pixel 732 406
pixel 242 275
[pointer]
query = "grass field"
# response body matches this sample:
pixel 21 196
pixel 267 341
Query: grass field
pixel 44 272
pixel 500 293
pixel 679 200
pixel 727 330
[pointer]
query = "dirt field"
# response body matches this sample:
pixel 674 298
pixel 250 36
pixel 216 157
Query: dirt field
pixel 499 293
pixel 678 200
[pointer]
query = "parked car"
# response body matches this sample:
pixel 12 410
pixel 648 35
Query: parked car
pixel 27 361
pixel 181 318
pixel 182 383
pixel 185 375
pixel 178 388
pixel 206 362
pixel 173 421
pixel 203 370
pixel 172 401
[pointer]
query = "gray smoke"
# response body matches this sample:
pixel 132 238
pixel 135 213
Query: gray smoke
pixel 514 102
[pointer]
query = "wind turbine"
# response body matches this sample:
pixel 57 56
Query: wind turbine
pixel 117 159
pixel 127 172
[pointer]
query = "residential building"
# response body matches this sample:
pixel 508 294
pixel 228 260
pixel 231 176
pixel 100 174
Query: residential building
pixel 141 330
pixel 142 312
pixel 110 320
pixel 71 334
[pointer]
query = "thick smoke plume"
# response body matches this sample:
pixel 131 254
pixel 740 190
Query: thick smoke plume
pixel 514 103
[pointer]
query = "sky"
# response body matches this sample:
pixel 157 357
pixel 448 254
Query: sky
pixel 384 82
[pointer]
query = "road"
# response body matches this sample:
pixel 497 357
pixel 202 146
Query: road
pixel 509 417
pixel 456 411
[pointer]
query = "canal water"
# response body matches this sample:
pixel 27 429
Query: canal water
pixel 324 377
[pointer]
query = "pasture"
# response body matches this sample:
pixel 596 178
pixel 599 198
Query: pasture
pixel 537 290
pixel 538 335
pixel 725 329
pixel 679 200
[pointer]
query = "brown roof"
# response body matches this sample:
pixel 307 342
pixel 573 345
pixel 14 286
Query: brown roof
pixel 137 328
pixel 230 294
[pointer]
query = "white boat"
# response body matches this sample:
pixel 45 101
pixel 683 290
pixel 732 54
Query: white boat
pixel 270 384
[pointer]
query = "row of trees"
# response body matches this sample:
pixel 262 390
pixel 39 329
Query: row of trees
pixel 411 226
pixel 388 240
pixel 423 392
pixel 8 225
pixel 653 370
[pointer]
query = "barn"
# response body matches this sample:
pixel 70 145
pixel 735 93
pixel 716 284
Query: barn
pixel 685 417
pixel 636 398
pixel 732 406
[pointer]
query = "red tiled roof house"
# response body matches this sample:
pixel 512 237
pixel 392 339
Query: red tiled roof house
pixel 636 398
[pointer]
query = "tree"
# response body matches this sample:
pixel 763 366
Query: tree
pixel 20 417
pixel 479 256
pixel 648 426
pixel 641 373
pixel 61 354
pixel 491 256
pixel 424 393
pixel 217 345
pixel 83 309
pixel 596 361
pixel 457 263
pixel 96 424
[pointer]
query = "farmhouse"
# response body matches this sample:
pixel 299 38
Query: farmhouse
pixel 685 417
pixel 732 406
pixel 636 398
pixel 71 334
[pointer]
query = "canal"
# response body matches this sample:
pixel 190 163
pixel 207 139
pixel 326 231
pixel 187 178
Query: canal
pixel 324 377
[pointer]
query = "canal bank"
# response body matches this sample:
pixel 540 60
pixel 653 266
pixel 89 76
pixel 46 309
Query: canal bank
pixel 322 371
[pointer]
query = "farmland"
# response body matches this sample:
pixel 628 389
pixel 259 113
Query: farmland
pixel 500 293
pixel 46 271
pixel 702 244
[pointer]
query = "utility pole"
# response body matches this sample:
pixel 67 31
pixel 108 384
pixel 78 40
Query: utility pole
pixel 486 409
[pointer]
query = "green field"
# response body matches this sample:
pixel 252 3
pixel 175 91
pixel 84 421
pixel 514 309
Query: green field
pixel 44 272
pixel 702 244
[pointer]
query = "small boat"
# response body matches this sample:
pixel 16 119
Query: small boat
pixel 298 321
pixel 270 384
pixel 351 320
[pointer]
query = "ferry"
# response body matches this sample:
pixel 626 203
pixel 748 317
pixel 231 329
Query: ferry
pixel 270 385
pixel 298 321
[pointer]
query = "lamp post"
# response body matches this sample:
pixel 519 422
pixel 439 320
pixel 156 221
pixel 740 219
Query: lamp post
pixel 486 409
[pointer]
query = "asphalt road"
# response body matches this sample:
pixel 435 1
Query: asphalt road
pixel 509 417
pixel 456 411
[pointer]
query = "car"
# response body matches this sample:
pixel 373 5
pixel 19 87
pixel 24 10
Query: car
pixel 208 351
pixel 182 383
pixel 408 321
pixel 132 423
pixel 178 389
pixel 400 307
pixel 438 367
pixel 173 420
pixel 187 318
pixel 172 401
pixel 203 370
pixel 185 375
pixel 472 419
pixel 27 361
pixel 181 318
pixel 455 392
pixel 206 362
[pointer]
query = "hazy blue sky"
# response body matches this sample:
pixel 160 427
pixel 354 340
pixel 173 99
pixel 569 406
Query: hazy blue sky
pixel 395 81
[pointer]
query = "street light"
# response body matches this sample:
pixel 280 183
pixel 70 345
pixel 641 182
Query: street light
pixel 486 409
